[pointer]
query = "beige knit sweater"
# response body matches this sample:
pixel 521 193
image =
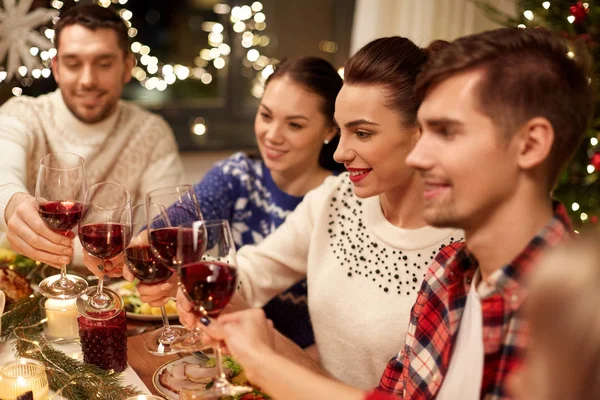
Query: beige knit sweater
pixel 132 147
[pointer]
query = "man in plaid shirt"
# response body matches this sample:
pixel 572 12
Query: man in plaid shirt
pixel 502 113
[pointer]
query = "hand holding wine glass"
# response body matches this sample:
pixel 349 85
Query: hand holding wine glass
pixel 144 264
pixel 167 208
pixel 104 233
pixel 248 335
pixel 29 235
pixel 59 194
pixel 209 280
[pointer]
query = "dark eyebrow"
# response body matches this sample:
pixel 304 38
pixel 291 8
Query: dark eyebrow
pixel 288 117
pixel 70 56
pixel 360 122
pixel 437 122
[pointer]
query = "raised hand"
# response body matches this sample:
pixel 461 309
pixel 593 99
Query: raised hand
pixel 29 235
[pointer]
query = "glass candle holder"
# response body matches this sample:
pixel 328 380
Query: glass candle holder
pixel 104 342
pixel 21 376
pixel 61 318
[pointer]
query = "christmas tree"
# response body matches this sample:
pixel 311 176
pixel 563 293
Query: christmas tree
pixel 579 186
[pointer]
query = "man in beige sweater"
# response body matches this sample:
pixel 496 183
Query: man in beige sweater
pixel 120 141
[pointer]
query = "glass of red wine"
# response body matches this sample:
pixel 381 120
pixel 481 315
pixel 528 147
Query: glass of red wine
pixel 150 270
pixel 167 208
pixel 59 193
pixel 104 232
pixel 208 276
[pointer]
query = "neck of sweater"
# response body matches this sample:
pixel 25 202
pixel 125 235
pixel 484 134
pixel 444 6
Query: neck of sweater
pixel 406 239
pixel 75 127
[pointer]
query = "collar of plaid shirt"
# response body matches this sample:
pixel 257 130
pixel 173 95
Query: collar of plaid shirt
pixel 436 316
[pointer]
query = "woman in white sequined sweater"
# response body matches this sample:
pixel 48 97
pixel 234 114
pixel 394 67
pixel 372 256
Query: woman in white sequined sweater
pixel 360 238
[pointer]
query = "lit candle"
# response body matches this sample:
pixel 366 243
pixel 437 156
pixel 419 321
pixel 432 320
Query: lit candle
pixel 21 376
pixel 62 319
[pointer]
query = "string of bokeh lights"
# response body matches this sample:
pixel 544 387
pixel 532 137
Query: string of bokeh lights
pixel 248 22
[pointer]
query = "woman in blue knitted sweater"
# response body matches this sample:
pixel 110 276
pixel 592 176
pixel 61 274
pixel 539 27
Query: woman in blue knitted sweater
pixel 296 137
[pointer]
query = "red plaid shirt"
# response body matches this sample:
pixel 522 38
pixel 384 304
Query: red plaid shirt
pixel 436 316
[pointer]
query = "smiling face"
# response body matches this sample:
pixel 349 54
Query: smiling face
pixel 469 169
pixel 290 127
pixel 91 69
pixel 373 143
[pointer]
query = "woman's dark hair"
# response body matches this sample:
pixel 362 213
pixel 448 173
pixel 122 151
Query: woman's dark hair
pixel 93 16
pixel 393 62
pixel 320 77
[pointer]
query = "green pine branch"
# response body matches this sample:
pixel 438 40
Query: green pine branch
pixel 78 381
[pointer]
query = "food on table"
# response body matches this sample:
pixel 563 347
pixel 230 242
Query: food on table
pixel 188 376
pixel 13 285
pixel 133 304
pixel 195 377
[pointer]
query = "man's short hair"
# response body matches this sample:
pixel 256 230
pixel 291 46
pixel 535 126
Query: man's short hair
pixel 526 74
pixel 93 16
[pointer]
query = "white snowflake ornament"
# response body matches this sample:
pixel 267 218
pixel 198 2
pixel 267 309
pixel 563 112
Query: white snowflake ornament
pixel 18 34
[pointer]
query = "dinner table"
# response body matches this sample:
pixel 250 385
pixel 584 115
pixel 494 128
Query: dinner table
pixel 143 363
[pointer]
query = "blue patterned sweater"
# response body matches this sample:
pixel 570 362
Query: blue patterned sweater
pixel 241 190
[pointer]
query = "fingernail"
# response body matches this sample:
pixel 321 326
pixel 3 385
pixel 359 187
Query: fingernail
pixel 66 243
pixel 166 286
pixel 64 260
pixel 67 251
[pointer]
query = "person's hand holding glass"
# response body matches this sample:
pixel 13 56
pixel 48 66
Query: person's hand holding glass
pixel 59 194
pixel 166 207
pixel 144 265
pixel 104 232
pixel 206 265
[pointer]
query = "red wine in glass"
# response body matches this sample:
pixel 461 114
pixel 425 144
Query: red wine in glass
pixel 104 232
pixel 104 241
pixel 164 241
pixel 209 284
pixel 59 193
pixel 145 266
pixel 208 278
pixel 61 216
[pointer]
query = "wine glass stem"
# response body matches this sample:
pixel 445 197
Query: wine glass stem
pixel 63 281
pixel 100 287
pixel 100 300
pixel 167 335
pixel 221 378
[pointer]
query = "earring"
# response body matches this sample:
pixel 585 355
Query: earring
pixel 326 141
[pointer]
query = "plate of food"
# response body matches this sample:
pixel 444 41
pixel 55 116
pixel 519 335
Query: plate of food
pixel 135 308
pixel 194 374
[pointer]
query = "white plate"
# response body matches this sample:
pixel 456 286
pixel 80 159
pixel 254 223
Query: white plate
pixel 159 387
pixel 119 287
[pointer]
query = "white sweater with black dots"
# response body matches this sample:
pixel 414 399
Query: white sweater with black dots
pixel 363 275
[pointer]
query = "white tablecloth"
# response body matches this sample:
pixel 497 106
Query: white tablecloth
pixel 129 376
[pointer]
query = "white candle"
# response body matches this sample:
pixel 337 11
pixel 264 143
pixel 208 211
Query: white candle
pixel 62 319
pixel 39 392
pixel 21 376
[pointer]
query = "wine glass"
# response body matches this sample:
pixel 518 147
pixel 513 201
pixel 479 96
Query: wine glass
pixel 208 276
pixel 150 270
pixel 167 208
pixel 59 193
pixel 104 232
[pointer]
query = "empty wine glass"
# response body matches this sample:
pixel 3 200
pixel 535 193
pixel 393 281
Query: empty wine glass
pixel 150 270
pixel 207 270
pixel 104 232
pixel 59 192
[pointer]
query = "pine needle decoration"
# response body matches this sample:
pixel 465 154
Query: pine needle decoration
pixel 77 380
